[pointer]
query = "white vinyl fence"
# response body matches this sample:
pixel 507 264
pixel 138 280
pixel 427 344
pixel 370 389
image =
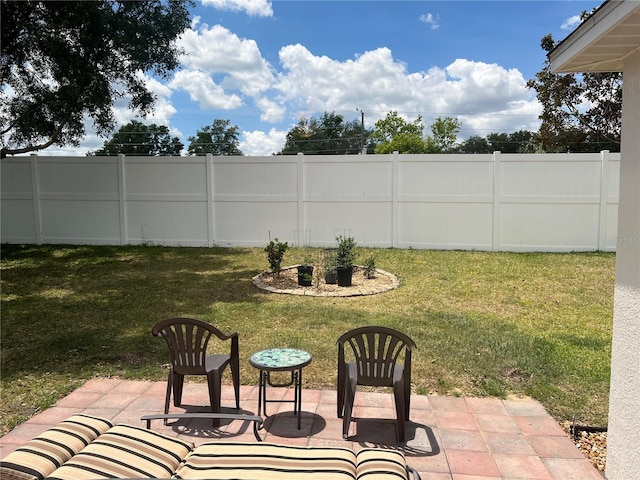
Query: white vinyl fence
pixel 495 202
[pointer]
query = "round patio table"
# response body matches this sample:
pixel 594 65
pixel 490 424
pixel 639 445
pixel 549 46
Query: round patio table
pixel 280 360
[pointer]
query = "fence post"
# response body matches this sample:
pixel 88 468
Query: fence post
pixel 35 188
pixel 604 200
pixel 395 206
pixel 122 200
pixel 496 202
pixel 300 226
pixel 211 240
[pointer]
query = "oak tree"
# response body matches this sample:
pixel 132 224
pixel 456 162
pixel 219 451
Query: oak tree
pixel 136 138
pixel 328 134
pixel 66 62
pixel 580 112
pixel 219 138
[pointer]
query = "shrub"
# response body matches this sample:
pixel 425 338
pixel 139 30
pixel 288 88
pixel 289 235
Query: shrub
pixel 275 252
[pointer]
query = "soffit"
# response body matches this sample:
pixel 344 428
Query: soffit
pixel 602 42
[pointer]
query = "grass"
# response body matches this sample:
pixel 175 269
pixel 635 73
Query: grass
pixel 486 324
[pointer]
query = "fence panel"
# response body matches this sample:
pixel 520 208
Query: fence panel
pixel 166 200
pixel 19 213
pixel 254 198
pixel 445 201
pixel 485 202
pixel 348 195
pixel 550 202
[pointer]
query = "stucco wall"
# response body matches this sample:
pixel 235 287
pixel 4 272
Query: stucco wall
pixel 623 449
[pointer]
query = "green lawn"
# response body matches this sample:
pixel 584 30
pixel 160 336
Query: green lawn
pixel 486 324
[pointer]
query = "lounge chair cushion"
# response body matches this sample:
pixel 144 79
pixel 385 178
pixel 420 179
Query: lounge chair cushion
pixel 126 452
pixel 266 461
pixel 379 464
pixel 40 456
pixel 91 448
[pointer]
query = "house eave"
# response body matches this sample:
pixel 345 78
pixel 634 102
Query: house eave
pixel 602 42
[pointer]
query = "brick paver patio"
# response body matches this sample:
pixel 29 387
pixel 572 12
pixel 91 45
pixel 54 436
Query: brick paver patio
pixel 448 438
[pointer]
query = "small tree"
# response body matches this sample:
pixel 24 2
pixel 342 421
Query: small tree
pixel 275 252
pixel 445 130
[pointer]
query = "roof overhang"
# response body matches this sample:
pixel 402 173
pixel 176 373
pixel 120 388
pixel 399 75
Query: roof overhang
pixel 602 41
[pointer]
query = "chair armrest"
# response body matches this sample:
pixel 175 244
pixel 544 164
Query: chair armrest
pixel 257 421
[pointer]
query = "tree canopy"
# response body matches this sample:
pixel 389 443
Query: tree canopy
pixel 65 62
pixel 522 141
pixel 580 112
pixel 136 138
pixel 445 131
pixel 219 138
pixel 395 134
pixel 327 135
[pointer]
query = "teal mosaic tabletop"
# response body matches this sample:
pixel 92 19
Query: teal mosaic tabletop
pixel 280 359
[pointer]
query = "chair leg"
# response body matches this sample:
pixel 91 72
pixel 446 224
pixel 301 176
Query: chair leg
pixel 235 373
pixel 398 394
pixel 407 399
pixel 351 385
pixel 167 398
pixel 178 384
pixel 342 385
pixel 214 383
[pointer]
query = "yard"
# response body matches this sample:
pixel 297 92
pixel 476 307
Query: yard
pixel 486 324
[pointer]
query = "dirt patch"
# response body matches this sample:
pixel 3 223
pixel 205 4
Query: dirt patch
pixel 287 282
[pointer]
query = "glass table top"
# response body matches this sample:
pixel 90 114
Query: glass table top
pixel 280 358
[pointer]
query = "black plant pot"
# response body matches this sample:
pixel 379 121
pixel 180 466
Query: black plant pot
pixel 331 277
pixel 344 276
pixel 305 275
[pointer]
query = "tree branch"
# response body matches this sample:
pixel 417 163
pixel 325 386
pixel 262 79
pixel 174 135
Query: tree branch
pixel 31 148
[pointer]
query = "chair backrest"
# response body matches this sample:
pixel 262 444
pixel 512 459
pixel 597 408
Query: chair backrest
pixel 188 339
pixel 376 352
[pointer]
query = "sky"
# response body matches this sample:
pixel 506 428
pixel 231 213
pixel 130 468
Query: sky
pixel 263 65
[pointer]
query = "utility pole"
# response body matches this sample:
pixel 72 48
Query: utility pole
pixel 363 148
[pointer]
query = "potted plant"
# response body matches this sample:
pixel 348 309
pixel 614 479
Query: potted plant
pixel 329 265
pixel 275 251
pixel 345 256
pixel 305 272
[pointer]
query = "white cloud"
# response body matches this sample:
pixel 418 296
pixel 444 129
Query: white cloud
pixel 431 20
pixel 222 71
pixel 225 67
pixel 216 49
pixel 260 8
pixel 164 109
pixel 486 96
pixel 272 111
pixel 478 86
pixel 571 22
pixel 258 143
pixel 203 90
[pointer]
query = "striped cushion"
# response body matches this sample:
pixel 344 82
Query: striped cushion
pixel 265 461
pixel 126 452
pixel 46 452
pixel 378 464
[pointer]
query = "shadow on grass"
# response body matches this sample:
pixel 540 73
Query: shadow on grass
pixel 71 309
